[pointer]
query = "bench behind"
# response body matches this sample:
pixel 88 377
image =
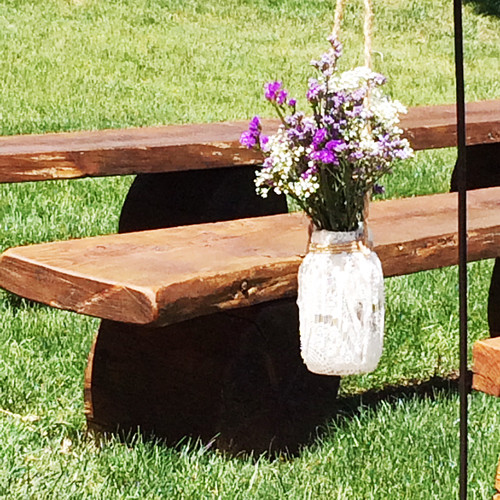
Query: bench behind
pixel 194 147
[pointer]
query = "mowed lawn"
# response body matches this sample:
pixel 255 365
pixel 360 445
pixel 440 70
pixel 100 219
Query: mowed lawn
pixel 90 64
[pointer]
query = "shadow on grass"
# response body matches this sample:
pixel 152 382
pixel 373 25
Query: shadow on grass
pixel 350 406
pixel 485 7
pixel 313 424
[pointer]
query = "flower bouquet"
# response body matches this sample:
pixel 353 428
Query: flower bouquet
pixel 329 162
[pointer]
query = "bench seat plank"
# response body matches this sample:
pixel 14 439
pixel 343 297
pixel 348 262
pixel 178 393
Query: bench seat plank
pixel 196 146
pixel 164 276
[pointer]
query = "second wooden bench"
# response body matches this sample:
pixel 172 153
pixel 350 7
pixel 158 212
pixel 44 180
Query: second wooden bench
pixel 199 334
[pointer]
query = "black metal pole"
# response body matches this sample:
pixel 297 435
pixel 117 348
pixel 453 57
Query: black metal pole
pixel 462 237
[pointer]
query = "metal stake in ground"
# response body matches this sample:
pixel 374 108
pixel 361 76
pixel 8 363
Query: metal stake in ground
pixel 462 236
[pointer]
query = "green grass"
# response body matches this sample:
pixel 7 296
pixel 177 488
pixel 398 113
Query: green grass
pixel 85 64
pixel 89 64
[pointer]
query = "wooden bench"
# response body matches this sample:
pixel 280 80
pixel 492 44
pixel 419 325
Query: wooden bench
pixel 199 332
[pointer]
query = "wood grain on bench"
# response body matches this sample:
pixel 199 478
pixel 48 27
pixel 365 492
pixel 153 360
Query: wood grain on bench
pixel 196 146
pixel 164 276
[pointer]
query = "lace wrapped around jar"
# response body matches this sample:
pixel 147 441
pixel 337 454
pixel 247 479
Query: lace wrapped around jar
pixel 341 304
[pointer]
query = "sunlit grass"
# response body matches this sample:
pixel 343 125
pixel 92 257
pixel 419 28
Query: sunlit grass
pixel 92 64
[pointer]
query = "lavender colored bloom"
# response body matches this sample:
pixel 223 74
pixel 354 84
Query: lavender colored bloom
pixel 255 125
pixel 356 155
pixel 264 142
pixel 393 148
pixel 325 156
pixel 338 99
pixel 294 135
pixel 329 121
pixel 358 95
pixel 316 91
pixel 268 163
pixel 378 189
pixel 326 64
pixel 292 103
pixel 379 79
pixel 310 171
pixel 334 125
pixel 319 137
pixel 281 97
pixel 336 46
pixel 271 90
pixel 355 112
pixel 402 154
pixel 248 139
pixel 302 132
pixel 294 120
pixel 337 146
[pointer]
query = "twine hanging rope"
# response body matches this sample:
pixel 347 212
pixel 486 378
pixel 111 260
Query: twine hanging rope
pixel 367 26
pixel 368 34
pixel 361 245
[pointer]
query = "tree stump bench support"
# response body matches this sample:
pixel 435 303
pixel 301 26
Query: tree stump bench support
pixel 199 332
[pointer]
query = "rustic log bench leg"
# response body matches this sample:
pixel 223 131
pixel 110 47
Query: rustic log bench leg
pixel 483 170
pixel 237 377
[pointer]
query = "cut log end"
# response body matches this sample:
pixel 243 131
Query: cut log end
pixel 486 366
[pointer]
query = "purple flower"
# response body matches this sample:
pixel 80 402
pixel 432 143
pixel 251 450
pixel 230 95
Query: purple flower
pixel 264 142
pixel 316 91
pixel 268 163
pixel 334 125
pixel 325 156
pixel 391 149
pixel 379 79
pixel 300 130
pixel 336 46
pixel 355 112
pixel 255 126
pixel 272 90
pixel 358 95
pixel 281 97
pixel 248 139
pixel 328 62
pixel 402 154
pixel 294 120
pixel 292 103
pixel 378 189
pixel 356 155
pixel 337 146
pixel 319 137
pixel 339 99
pixel 310 171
